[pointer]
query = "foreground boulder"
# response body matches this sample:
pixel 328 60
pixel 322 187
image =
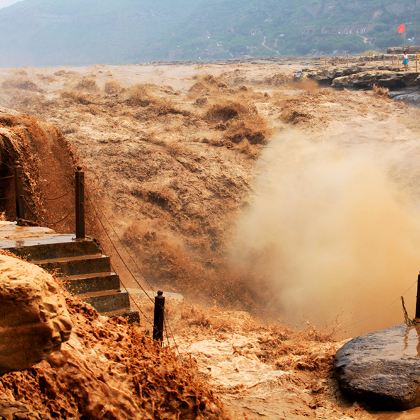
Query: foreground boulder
pixel 34 321
pixel 382 368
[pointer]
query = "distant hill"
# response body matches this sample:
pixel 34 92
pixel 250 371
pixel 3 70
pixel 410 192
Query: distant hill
pixel 49 32
pixel 6 3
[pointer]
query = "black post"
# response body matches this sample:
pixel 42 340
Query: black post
pixel 418 300
pixel 159 317
pixel 80 204
pixel 20 210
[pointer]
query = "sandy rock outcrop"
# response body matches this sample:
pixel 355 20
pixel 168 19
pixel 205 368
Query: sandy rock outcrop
pixel 327 76
pixel 366 80
pixel 34 321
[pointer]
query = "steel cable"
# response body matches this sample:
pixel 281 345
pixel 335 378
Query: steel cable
pixel 125 248
pixel 393 302
pixel 167 325
pixel 128 253
pixel 124 262
pixel 61 220
pixel 57 198
pixel 171 334
pixel 120 256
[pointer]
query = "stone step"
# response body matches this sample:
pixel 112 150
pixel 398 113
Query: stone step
pixel 94 282
pixel 51 246
pixel 133 317
pixel 71 266
pixel 108 301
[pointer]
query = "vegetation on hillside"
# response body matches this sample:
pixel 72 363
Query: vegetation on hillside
pixel 47 32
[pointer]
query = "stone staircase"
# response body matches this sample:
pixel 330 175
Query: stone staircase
pixel 85 270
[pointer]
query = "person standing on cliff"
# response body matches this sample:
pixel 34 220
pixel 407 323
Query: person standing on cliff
pixel 406 60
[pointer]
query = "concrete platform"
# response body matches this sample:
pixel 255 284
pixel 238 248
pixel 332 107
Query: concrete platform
pixel 85 270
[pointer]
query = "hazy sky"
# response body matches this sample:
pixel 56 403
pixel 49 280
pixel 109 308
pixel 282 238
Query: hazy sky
pixel 5 3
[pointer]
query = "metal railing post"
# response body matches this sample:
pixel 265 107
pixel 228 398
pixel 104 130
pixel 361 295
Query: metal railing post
pixel 20 209
pixel 159 317
pixel 418 300
pixel 80 204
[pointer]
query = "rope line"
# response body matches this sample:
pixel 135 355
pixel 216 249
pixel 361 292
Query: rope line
pixel 168 328
pixel 129 254
pixel 122 243
pixel 61 220
pixel 112 243
pixel 127 250
pixel 57 198
pixel 352 324
pixel 133 300
pixel 169 332
pixel 119 254
pixel 44 220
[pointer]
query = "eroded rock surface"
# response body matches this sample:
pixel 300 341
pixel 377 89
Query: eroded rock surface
pixel 382 368
pixel 34 320
pixel 327 76
pixel 402 85
pixel 410 96
pixel 367 79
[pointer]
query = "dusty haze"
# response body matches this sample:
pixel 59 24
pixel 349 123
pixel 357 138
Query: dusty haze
pixel 333 228
pixel 323 209
pixel 204 171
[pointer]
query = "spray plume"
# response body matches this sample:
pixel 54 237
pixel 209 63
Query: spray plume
pixel 332 230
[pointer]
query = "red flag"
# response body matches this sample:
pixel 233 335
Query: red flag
pixel 401 28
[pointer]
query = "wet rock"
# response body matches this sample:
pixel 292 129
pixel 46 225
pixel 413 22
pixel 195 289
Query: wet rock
pixel 387 79
pixel 34 321
pixel 327 77
pixel 382 368
pixel 410 96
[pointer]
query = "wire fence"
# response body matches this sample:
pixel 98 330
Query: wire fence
pixel 117 245
pixel 114 239
pixel 124 253
pixel 122 260
pixel 386 308
pixel 63 219
pixel 168 329
pixel 66 194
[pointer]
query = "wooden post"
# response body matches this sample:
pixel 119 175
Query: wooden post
pixel 20 210
pixel 418 300
pixel 80 204
pixel 159 317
